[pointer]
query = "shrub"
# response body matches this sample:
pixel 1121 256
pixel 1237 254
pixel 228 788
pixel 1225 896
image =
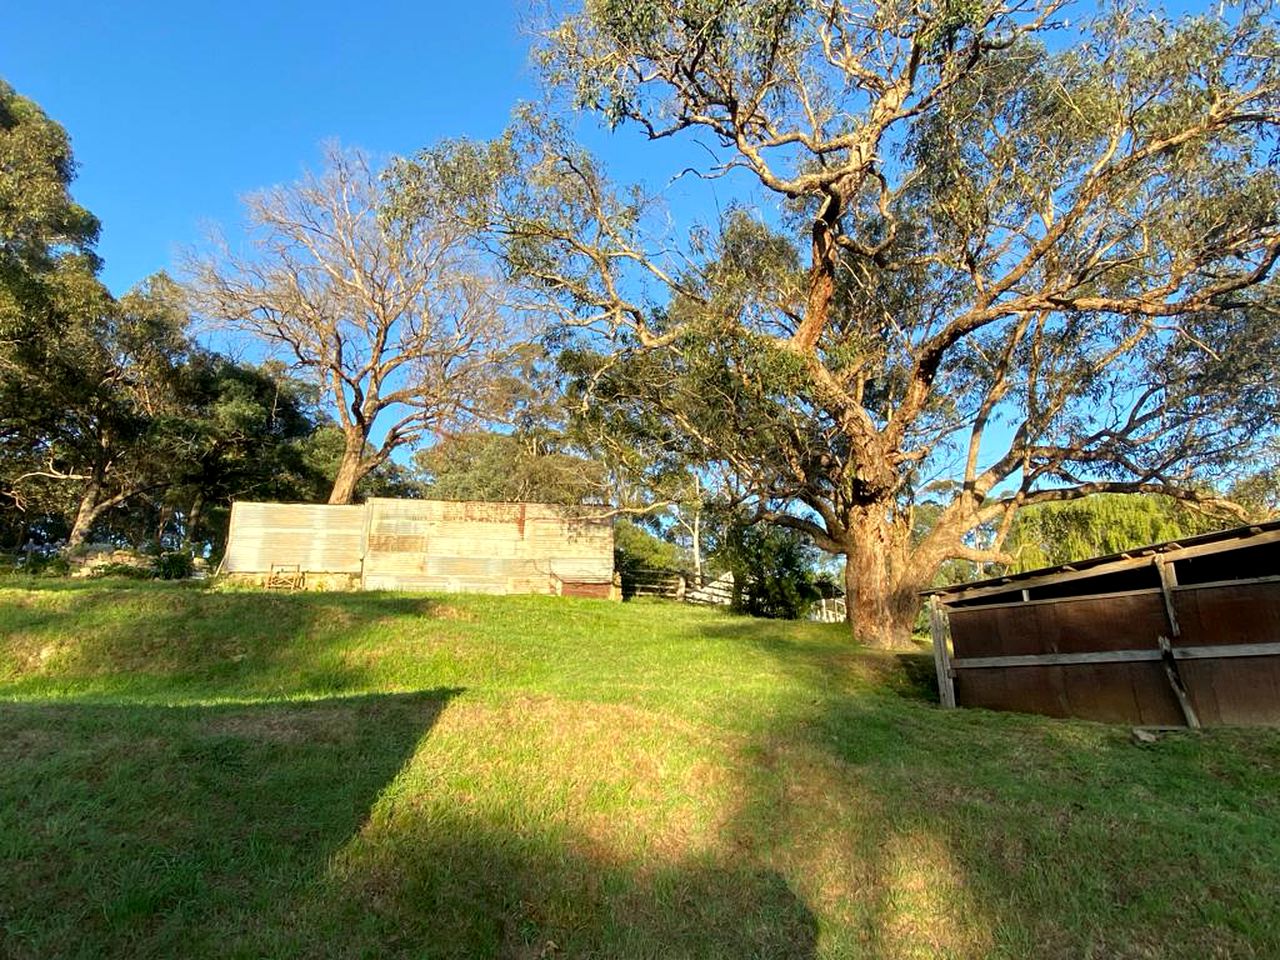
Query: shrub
pixel 174 565
pixel 772 571
pixel 127 571
pixel 45 565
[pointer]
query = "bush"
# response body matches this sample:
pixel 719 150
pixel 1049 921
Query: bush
pixel 175 565
pixel 772 571
pixel 45 565
pixel 126 571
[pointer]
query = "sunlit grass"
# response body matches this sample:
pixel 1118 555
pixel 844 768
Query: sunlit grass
pixel 214 773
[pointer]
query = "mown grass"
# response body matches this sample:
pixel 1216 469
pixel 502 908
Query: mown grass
pixel 200 773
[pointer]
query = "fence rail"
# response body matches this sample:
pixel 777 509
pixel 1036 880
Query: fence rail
pixel 673 585
pixel 829 610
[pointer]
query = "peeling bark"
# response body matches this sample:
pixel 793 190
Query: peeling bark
pixel 881 583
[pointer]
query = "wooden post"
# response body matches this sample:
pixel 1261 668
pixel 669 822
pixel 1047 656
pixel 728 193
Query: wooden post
pixel 1175 682
pixel 1168 580
pixel 942 663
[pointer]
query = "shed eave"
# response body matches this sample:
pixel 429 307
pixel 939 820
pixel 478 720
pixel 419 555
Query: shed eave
pixel 1218 541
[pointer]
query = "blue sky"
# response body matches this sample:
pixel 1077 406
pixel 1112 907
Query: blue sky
pixel 175 110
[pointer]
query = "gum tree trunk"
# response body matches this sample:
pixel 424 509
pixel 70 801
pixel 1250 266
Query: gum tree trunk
pixel 192 524
pixel 89 510
pixel 881 585
pixel 351 469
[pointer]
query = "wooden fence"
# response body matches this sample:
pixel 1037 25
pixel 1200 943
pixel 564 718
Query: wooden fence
pixel 673 585
pixel 829 610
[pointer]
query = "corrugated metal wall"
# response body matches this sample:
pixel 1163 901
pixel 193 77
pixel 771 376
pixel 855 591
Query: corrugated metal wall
pixel 432 545
pixel 317 537
pixel 483 547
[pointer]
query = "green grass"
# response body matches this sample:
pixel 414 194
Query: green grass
pixel 199 773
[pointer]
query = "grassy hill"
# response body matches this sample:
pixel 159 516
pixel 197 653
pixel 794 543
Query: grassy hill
pixel 198 773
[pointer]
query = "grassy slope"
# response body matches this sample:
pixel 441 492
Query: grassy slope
pixel 185 772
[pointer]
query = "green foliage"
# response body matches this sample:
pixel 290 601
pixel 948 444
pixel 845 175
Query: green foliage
pixel 45 236
pixel 174 565
pixel 1022 265
pixel 635 549
pixel 1259 490
pixel 108 410
pixel 508 467
pixel 125 571
pixel 44 564
pixel 1054 533
pixel 321 454
pixel 773 571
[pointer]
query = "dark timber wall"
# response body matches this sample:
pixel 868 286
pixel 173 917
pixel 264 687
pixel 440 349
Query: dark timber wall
pixel 1173 634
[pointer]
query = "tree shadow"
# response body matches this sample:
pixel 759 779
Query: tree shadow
pixel 457 886
pixel 845 806
pixel 303 829
pixel 974 833
pixel 147 830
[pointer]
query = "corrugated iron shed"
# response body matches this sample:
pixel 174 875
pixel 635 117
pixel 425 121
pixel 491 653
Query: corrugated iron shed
pixel 431 545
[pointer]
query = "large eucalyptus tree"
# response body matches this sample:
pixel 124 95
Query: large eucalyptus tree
pixel 384 311
pixel 1006 264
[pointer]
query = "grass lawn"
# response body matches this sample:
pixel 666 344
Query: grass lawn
pixel 198 773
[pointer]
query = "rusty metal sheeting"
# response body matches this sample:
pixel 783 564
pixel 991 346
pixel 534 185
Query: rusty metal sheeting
pixel 429 545
pixel 316 537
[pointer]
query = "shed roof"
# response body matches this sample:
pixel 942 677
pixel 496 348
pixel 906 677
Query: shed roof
pixel 1217 542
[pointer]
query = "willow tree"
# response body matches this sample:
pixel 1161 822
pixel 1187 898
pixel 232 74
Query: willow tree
pixel 1003 271
pixel 389 313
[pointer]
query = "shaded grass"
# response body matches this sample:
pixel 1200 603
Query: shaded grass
pixel 244 774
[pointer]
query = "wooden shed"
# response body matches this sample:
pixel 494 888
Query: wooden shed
pixel 430 545
pixel 1179 633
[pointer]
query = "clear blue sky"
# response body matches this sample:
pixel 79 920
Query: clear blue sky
pixel 175 110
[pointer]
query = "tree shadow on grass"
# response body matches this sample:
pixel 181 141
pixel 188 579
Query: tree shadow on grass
pixel 170 831
pixel 457 886
pixel 976 834
pixel 296 829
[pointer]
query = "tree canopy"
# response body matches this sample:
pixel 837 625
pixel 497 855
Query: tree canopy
pixel 971 264
pixel 1029 271
pixel 509 467
pixel 382 308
